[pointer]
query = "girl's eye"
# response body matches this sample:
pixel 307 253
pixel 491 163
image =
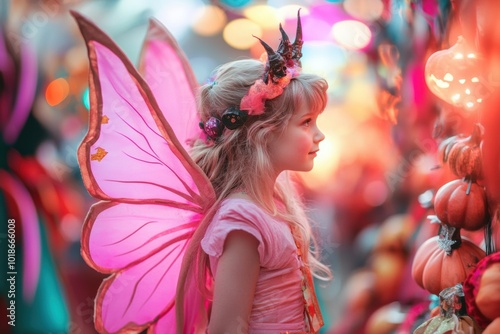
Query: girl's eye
pixel 308 121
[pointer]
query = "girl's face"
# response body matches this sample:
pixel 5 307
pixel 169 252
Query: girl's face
pixel 296 148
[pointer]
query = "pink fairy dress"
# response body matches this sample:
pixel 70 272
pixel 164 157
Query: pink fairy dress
pixel 278 305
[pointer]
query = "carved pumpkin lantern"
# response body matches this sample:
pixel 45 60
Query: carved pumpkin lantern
pixel 456 76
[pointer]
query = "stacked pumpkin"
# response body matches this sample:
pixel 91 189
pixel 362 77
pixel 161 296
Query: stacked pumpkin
pixel 447 259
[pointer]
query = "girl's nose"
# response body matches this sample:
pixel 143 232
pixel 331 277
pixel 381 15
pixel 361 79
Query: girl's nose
pixel 319 136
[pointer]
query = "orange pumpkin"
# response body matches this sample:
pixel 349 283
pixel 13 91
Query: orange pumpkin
pixel 488 295
pixel 461 204
pixel 463 154
pixel 436 267
pixel 493 328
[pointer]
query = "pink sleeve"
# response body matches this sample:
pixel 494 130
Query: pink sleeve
pixel 232 220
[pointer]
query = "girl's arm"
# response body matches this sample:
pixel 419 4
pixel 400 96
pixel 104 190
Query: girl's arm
pixel 235 282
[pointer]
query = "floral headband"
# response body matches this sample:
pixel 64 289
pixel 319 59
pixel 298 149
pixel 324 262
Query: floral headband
pixel 281 66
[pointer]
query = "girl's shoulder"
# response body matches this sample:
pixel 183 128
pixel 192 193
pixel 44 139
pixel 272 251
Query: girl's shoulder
pixel 240 212
pixel 240 204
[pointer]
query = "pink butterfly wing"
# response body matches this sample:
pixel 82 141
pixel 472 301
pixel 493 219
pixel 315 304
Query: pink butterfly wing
pixel 168 73
pixel 155 193
pixel 130 151
pixel 120 235
pixel 145 253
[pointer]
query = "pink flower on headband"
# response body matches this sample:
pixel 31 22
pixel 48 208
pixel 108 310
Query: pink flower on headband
pixel 260 92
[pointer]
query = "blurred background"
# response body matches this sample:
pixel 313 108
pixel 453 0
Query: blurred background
pixel 404 76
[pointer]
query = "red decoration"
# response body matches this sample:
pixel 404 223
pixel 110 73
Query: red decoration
pixel 473 286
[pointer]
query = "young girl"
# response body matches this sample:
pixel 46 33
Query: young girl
pixel 256 245
pixel 227 211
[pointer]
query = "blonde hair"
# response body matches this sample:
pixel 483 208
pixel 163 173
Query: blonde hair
pixel 239 159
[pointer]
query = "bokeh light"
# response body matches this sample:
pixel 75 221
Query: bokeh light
pixel 265 16
pixel 290 12
pixel 369 10
pixel 352 35
pixel 56 91
pixel 170 17
pixel 239 33
pixel 209 20
pixel 315 29
pixel 324 59
pixel 330 13
pixel 86 98
pixel 236 3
